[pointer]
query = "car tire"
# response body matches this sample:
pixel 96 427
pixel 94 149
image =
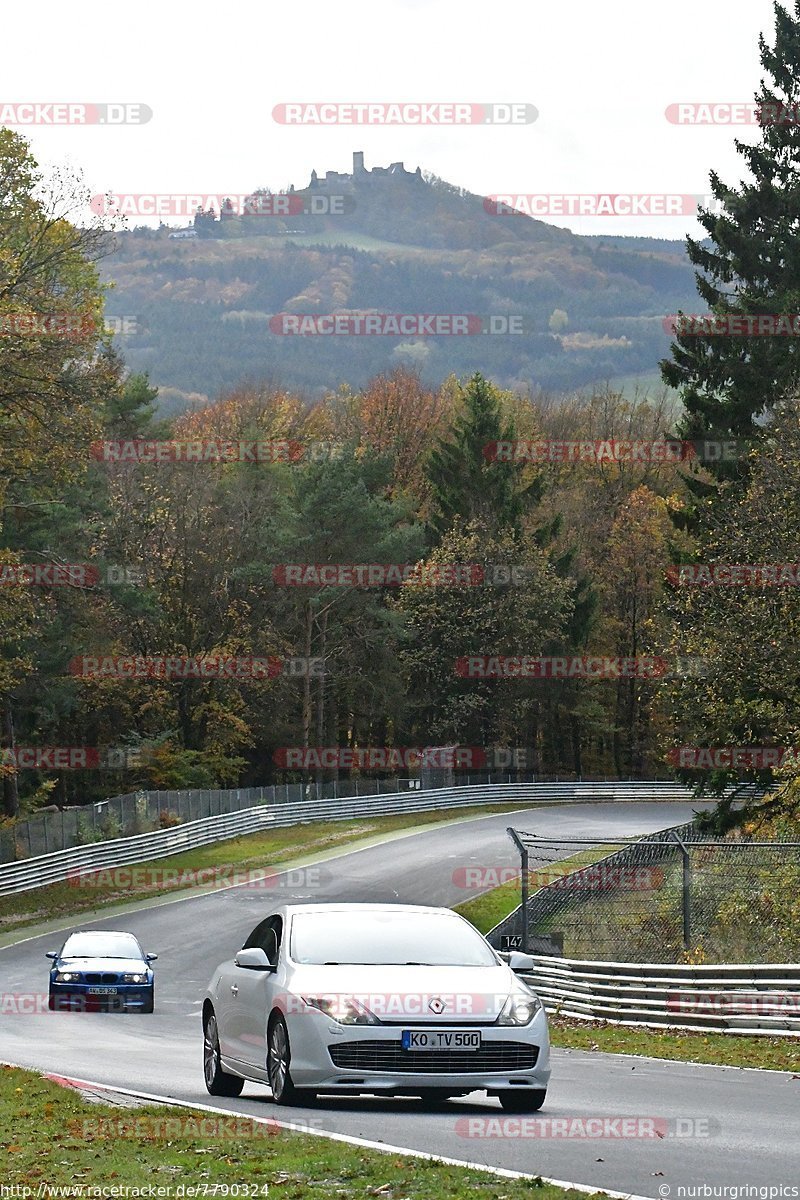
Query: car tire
pixel 523 1100
pixel 279 1057
pixel 149 1003
pixel 218 1082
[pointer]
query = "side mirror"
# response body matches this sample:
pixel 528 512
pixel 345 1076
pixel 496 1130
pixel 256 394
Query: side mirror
pixel 521 962
pixel 253 959
pixel 51 954
pixel 151 957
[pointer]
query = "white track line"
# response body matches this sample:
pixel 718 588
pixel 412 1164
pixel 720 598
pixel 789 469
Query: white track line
pixel 384 1147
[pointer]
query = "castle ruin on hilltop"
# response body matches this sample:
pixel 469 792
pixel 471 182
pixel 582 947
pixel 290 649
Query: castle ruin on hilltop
pixel 360 174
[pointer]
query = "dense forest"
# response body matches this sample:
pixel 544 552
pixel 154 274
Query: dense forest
pixel 273 585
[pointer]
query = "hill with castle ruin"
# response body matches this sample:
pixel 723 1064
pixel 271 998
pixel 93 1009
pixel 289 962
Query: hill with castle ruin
pixel 550 310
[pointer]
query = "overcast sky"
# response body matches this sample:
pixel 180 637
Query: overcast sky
pixel 600 75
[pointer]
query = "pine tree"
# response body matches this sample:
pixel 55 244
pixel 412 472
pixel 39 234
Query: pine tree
pixel 751 267
pixel 466 483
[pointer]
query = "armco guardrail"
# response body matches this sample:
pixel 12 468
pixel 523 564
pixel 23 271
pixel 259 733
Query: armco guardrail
pixel 142 811
pixel 61 865
pixel 723 999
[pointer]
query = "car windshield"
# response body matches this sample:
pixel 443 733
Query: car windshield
pixel 101 945
pixel 386 938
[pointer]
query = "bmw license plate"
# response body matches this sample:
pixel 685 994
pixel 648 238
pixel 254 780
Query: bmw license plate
pixel 440 1039
pixel 102 991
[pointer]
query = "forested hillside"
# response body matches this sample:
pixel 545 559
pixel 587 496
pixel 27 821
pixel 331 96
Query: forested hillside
pixel 585 309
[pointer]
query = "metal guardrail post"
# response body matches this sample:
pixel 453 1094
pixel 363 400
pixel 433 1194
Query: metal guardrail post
pixel 523 853
pixel 686 893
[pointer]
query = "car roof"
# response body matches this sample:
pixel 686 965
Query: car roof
pixel 101 933
pixel 354 908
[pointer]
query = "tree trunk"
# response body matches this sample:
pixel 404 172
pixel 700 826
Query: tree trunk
pixel 321 698
pixel 10 791
pixel 309 621
pixel 577 761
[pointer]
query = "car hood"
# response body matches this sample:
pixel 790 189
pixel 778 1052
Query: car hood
pixel 117 965
pixel 396 993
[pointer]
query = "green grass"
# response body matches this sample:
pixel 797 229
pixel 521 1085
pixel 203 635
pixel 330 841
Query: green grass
pixel 49 1134
pixel 719 1049
pixel 349 237
pixel 487 910
pixel 257 851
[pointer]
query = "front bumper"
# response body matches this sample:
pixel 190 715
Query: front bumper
pixel 77 997
pixel 332 1057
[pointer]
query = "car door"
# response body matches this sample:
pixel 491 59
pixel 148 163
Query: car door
pixel 250 999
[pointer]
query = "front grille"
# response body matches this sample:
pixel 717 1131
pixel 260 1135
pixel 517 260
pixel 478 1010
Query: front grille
pixel 391 1058
pixel 94 977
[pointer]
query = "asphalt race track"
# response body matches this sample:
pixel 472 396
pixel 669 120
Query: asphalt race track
pixel 742 1126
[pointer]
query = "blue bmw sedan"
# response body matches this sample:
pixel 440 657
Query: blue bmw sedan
pixel 97 969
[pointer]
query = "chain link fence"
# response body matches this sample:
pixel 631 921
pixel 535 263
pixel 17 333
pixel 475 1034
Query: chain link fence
pixel 679 895
pixel 145 811
pixel 124 816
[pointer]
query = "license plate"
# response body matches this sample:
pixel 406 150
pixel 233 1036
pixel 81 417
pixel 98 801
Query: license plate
pixel 102 991
pixel 440 1039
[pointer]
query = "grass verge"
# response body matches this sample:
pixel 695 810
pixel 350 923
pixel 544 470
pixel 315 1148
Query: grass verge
pixel 50 1135
pixel 715 1049
pixel 254 852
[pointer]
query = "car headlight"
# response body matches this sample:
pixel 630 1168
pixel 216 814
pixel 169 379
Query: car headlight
pixel 67 976
pixel 519 1009
pixel 140 977
pixel 342 1009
